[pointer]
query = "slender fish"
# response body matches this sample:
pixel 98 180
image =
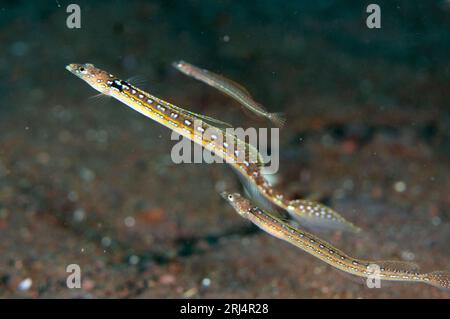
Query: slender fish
pixel 387 270
pixel 192 126
pixel 230 88
pixel 243 157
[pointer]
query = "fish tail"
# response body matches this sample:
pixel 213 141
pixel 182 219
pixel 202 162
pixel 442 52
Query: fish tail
pixel 279 119
pixel 439 279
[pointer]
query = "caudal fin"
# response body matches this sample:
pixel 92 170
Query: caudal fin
pixel 439 279
pixel 279 119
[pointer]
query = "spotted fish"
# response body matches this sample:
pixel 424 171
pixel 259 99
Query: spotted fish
pixel 243 157
pixel 386 270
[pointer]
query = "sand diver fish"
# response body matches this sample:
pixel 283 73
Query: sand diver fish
pixel 386 270
pixel 230 88
pixel 243 157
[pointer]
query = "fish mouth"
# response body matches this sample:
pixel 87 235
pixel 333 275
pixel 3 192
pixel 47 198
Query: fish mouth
pixel 72 67
pixel 178 64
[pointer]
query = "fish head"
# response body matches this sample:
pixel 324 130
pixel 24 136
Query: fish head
pixel 238 202
pixel 183 66
pixel 95 77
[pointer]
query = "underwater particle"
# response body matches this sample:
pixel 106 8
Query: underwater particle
pixel 129 221
pixel 88 284
pixel 399 186
pixel 220 186
pixel 436 221
pixel 43 158
pixel 79 214
pixel 349 146
pixel 25 284
pixel 19 48
pixel 86 174
pixel 72 196
pixel 318 270
pixel 133 260
pixel 348 184
pixel 64 137
pixel 190 292
pixel 206 282
pixel 167 279
pixel 407 255
pixel 102 137
pixel 327 140
pixel 226 38
pixel 152 216
pixel 106 241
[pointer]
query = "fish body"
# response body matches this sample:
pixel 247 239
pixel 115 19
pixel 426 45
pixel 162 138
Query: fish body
pixel 183 122
pixel 191 126
pixel 242 156
pixel 387 270
pixel 230 88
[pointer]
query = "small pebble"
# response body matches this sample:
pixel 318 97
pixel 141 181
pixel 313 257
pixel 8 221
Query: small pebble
pixel 79 215
pixel 72 196
pixel 25 284
pixel 400 186
pixel 436 221
pixel 19 48
pixel 86 174
pixel 88 284
pixel 133 260
pixel 407 255
pixel 106 241
pixel 167 279
pixel 206 282
pixel 129 221
pixel 189 293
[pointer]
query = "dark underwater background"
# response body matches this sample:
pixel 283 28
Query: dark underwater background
pixel 91 182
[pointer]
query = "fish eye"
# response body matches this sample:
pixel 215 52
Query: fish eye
pixel 230 197
pixel 82 69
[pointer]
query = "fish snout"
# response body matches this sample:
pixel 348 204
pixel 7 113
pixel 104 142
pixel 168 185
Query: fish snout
pixel 224 195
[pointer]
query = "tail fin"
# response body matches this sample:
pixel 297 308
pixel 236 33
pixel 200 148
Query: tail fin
pixel 279 119
pixel 439 279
